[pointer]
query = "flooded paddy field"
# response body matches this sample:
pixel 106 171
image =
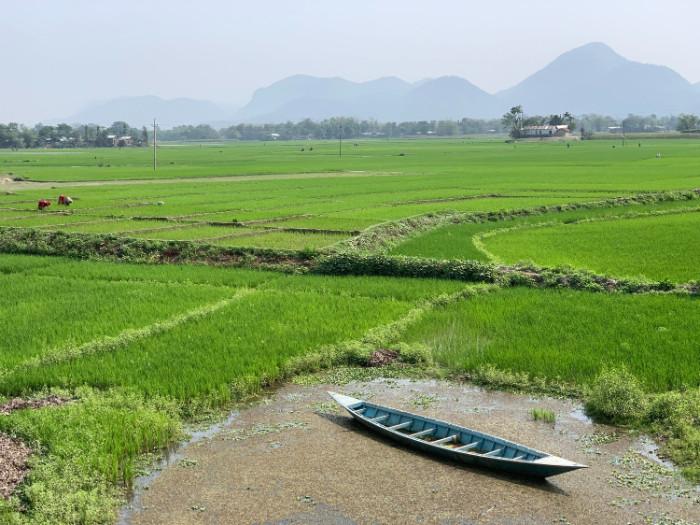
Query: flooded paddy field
pixel 294 458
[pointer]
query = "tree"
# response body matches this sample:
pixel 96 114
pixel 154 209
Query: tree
pixel 513 120
pixel 569 120
pixel 120 128
pixel 447 128
pixel 555 120
pixel 688 122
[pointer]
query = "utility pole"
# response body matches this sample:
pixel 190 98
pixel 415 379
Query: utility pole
pixel 340 143
pixel 155 141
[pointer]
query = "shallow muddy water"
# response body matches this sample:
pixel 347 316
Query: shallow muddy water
pixel 295 459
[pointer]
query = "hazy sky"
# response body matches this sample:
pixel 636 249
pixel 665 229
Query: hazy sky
pixel 59 55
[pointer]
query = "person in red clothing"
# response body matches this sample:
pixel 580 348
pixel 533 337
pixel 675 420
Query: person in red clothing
pixel 44 203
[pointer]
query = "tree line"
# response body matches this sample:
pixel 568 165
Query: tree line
pixel 120 133
pixel 515 120
pixel 350 128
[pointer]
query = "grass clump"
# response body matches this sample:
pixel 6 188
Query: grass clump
pixel 88 452
pixel 491 376
pixel 675 417
pixel 543 414
pixel 616 396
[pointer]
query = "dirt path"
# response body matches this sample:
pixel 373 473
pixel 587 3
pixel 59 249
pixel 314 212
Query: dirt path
pixel 8 184
pixel 295 460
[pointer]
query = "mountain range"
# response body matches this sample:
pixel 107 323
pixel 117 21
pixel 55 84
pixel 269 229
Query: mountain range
pixel 589 79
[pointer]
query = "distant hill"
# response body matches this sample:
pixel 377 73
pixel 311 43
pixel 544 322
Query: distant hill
pixel 140 111
pixel 595 79
pixel 302 96
pixel 390 98
pixel 589 79
pixel 448 98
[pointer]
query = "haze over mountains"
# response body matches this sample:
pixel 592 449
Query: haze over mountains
pixel 140 111
pixel 589 79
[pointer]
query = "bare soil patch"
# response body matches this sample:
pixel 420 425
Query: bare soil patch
pixel 13 464
pixel 19 403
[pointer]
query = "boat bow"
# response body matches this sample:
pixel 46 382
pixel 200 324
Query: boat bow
pixel 345 401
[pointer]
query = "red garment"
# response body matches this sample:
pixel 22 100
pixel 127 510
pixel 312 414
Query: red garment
pixel 44 203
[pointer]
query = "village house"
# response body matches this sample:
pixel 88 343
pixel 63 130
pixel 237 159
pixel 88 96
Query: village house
pixel 118 141
pixel 543 131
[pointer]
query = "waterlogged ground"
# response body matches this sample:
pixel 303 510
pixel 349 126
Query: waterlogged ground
pixel 295 459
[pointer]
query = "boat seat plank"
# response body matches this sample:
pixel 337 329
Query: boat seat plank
pixel 520 457
pixel 400 426
pixel 494 452
pixel 361 410
pixel 468 447
pixel 422 433
pixel 379 419
pixel 447 439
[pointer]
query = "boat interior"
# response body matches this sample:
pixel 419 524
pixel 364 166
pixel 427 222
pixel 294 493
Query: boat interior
pixel 439 434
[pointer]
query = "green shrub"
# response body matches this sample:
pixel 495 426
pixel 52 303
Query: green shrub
pixel 355 352
pixel 415 354
pixel 675 416
pixel 356 264
pixel 616 396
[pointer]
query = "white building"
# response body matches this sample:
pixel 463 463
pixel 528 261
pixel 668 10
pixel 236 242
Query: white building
pixel 561 130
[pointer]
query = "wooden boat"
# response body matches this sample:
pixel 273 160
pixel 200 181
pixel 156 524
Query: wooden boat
pixel 455 442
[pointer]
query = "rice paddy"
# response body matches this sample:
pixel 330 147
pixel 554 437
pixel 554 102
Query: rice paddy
pixel 656 247
pixel 138 350
pixel 370 185
pixel 568 335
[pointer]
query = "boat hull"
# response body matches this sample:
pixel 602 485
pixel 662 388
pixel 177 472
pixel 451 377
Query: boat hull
pixel 534 463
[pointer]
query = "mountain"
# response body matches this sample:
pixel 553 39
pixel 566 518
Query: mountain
pixel 302 96
pixel 140 111
pixel 447 98
pixel 595 79
pixel 299 97
pixel 590 79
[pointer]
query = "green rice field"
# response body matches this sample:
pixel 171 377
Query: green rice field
pixel 143 347
pixel 656 247
pixel 568 335
pixel 278 186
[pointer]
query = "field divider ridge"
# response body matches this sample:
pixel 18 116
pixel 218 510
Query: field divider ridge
pixel 358 351
pixel 128 336
pixel 384 236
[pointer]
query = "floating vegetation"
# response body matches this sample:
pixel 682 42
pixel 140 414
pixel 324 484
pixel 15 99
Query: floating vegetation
pixel 424 401
pixel 241 434
pixel 635 471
